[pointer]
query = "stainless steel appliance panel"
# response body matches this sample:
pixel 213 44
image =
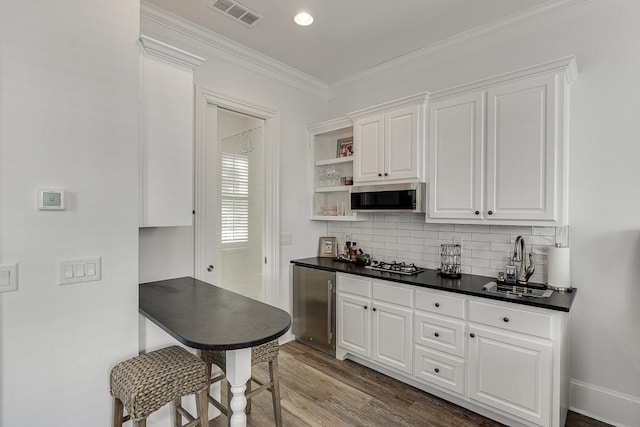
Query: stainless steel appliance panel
pixel 314 308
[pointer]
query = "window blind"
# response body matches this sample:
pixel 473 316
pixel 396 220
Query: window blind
pixel 235 198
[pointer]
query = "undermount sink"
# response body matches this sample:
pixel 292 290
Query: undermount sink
pixel 517 291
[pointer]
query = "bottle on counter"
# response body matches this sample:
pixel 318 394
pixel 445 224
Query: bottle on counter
pixel 354 251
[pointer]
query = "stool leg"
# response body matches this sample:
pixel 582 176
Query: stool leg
pixel 202 405
pixel 275 391
pixel 248 400
pixel 177 418
pixel 118 412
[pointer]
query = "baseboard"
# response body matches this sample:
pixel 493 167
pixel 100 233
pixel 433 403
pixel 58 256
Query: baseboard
pixel 609 406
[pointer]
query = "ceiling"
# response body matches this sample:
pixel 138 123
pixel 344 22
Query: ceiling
pixel 348 36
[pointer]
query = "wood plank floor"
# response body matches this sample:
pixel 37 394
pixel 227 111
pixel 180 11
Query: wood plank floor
pixel 318 390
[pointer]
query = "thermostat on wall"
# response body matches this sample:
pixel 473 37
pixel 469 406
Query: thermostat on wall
pixel 51 199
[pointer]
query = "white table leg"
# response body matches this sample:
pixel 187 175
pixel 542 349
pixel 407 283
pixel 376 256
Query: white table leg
pixel 238 373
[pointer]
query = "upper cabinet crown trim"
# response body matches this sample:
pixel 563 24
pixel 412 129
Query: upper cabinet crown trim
pixel 330 125
pixel 411 99
pixel 566 65
pixel 170 53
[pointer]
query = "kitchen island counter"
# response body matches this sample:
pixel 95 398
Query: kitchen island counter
pixel 468 284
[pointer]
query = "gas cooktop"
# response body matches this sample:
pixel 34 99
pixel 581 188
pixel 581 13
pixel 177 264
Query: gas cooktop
pixel 395 267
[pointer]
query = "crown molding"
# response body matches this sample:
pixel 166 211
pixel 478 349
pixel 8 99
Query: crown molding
pixel 169 53
pixel 418 98
pixel 511 23
pixel 566 65
pixel 330 125
pixel 235 52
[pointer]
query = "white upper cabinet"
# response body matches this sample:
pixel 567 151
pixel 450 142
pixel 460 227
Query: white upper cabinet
pixel 522 150
pixel 456 138
pixel 389 141
pixel 498 149
pixel 166 135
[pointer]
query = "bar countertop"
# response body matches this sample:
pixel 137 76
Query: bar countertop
pixel 207 317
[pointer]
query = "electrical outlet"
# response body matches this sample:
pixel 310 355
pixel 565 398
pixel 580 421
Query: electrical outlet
pixel 8 277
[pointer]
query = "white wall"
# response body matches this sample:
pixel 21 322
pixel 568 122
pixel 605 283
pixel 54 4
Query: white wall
pixel 605 195
pixel 225 74
pixel 68 119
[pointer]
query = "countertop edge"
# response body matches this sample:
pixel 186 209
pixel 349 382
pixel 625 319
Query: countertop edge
pixel 531 302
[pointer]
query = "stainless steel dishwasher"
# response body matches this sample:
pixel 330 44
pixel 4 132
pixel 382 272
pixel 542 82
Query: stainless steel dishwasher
pixel 314 308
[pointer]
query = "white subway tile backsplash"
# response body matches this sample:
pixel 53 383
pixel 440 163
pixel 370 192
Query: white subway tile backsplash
pixel 486 249
pixel 424 234
pixel 471 228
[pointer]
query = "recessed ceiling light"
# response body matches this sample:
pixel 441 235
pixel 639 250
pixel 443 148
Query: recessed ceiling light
pixel 303 19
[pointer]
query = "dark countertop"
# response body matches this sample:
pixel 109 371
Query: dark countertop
pixel 207 317
pixel 468 284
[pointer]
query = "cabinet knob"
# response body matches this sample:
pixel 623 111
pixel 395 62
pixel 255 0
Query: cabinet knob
pixel 365 307
pixel 477 212
pixel 436 334
pixel 437 304
pixel 437 370
pixel 374 309
pixel 490 212
pixel 379 174
pixel 472 335
pixel 505 319
pixel 386 174
pixel 210 268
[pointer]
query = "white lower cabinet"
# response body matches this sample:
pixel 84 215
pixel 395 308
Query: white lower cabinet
pixel 354 329
pixel 373 323
pixel 511 373
pixel 508 359
pixel 392 341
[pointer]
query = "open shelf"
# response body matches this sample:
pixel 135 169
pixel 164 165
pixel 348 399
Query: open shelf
pixel 333 189
pixel 335 161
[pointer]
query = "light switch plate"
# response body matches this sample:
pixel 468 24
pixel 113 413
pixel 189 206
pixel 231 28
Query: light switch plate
pixel 79 270
pixel 286 238
pixel 8 277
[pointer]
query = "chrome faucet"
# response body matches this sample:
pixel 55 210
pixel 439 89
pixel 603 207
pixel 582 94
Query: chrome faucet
pixel 519 253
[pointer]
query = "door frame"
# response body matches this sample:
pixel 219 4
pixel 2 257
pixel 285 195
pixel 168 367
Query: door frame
pixel 204 98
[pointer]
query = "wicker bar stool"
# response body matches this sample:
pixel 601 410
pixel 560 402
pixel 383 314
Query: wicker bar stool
pixel 267 352
pixel 145 383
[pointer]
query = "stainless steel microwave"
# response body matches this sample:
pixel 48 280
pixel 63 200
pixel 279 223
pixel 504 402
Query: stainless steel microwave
pixel 389 198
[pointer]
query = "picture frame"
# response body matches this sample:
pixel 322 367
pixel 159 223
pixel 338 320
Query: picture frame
pixel 328 247
pixel 345 147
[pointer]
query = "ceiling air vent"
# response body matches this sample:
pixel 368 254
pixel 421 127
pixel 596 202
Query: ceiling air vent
pixel 237 11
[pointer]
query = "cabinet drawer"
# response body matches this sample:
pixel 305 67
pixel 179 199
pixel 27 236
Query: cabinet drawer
pixel 439 369
pixel 439 333
pixel 354 285
pixel 436 302
pixel 512 319
pixel 393 293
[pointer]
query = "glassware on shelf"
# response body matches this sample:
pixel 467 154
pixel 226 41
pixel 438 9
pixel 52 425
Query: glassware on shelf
pixel 342 206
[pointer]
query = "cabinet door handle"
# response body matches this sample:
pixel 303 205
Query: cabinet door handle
pixel 437 304
pixel 437 370
pixel 365 307
pixel 386 174
pixel 505 319
pixel 210 268
pixel 472 335
pixel 374 309
pixel 477 212
pixel 436 335
pixel 379 174
pixel 490 212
